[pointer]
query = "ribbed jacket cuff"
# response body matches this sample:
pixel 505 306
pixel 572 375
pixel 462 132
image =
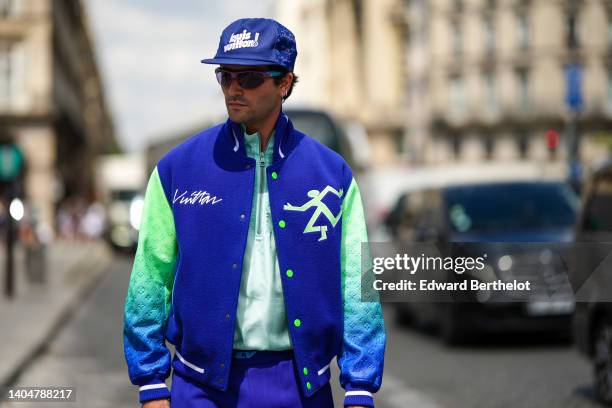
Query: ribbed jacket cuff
pixel 358 397
pixel 155 389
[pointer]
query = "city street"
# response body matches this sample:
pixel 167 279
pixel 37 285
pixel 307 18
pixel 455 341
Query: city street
pixel 419 370
pixel 257 148
pixel 518 372
pixel 88 353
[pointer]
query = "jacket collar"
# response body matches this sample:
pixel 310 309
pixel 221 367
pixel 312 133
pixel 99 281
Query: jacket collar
pixel 284 140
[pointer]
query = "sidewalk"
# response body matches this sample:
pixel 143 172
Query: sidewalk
pixel 36 312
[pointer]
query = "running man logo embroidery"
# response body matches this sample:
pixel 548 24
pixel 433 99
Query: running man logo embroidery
pixel 317 202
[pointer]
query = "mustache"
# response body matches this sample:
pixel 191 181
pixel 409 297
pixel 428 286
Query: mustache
pixel 236 99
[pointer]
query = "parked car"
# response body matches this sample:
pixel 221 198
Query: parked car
pixel 121 181
pixel 514 221
pixel 388 184
pixel 396 216
pixel 592 322
pixel 348 138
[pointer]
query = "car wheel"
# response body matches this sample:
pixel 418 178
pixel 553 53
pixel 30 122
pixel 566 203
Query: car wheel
pixel 403 317
pixel 602 362
pixel 452 328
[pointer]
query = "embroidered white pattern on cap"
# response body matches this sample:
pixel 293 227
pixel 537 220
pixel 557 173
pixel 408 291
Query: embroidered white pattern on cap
pixel 241 40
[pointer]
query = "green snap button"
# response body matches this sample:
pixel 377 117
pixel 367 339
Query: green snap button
pixel 297 322
pixel 281 223
pixel 289 273
pixel 308 385
pixel 274 175
pixel 305 371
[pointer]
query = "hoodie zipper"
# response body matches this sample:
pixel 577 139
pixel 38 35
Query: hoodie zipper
pixel 262 166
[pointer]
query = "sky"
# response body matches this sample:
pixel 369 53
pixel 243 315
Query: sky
pixel 149 56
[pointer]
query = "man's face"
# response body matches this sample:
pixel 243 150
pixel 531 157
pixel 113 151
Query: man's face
pixel 251 106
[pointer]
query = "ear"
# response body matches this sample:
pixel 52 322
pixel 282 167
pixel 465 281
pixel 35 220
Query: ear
pixel 286 83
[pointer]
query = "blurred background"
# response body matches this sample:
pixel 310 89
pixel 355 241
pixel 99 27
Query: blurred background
pixel 463 120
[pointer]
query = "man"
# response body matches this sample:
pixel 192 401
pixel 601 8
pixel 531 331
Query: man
pixel 249 254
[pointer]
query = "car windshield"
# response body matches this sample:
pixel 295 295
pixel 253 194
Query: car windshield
pixel 316 125
pixel 598 217
pixel 510 207
pixel 123 195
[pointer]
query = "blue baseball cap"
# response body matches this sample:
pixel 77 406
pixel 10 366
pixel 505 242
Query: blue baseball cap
pixel 256 41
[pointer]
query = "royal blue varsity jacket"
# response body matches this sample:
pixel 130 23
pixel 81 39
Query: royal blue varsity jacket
pixel 185 280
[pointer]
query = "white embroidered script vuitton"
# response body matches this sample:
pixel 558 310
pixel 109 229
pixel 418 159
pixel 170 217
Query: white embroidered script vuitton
pixel 196 197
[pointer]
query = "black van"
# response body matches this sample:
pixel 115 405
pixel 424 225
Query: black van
pixel 515 220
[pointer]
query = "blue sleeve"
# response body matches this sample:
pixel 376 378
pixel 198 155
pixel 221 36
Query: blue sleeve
pixel 148 300
pixel 362 358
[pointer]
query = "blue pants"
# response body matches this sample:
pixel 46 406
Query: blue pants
pixel 262 379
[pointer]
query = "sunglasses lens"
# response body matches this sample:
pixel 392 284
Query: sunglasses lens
pixel 250 80
pixel 223 78
pixel 247 80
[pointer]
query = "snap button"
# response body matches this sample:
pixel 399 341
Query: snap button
pixel 274 175
pixel 289 273
pixel 234 265
pixel 297 322
pixel 305 370
pixel 227 316
pixel 308 385
pixel 242 216
pixel 281 223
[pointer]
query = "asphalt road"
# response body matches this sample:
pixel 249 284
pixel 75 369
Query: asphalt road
pixel 420 371
pixel 88 353
pixel 508 371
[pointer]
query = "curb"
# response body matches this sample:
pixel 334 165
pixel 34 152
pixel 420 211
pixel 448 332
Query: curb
pixel 97 263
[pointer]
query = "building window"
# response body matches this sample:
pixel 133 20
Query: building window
pixel 457 39
pixel 609 96
pixel 523 83
pixel 523 32
pixel 458 6
pixel 490 92
pixel 571 28
pixel 489 35
pixel 455 142
pixel 6 74
pixel 358 11
pixel 8 8
pixel 610 31
pixel 456 95
pixel 523 145
pixel 398 138
pixel 487 141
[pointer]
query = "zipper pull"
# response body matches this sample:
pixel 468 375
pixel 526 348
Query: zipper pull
pixel 261 159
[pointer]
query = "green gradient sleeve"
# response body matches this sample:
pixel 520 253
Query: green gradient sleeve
pixel 362 356
pixel 149 293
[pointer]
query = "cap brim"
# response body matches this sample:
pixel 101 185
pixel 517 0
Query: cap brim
pixel 237 61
